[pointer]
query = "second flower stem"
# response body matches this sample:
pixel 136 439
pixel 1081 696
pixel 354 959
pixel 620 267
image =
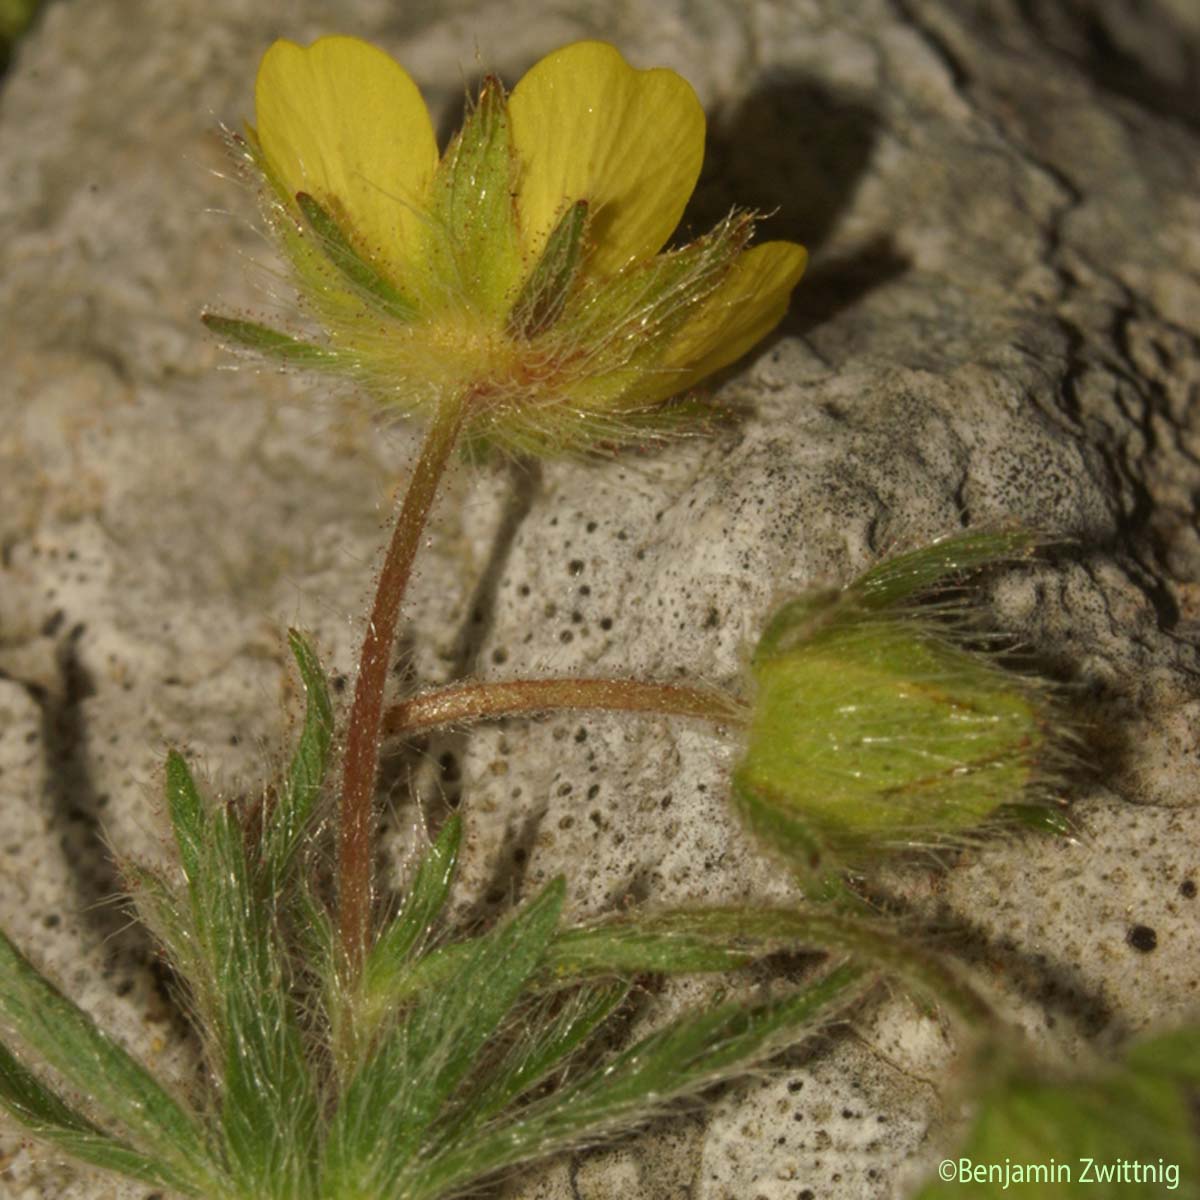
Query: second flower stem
pixel 361 758
pixel 465 703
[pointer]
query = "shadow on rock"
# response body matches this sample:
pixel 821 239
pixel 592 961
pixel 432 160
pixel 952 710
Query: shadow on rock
pixel 793 150
pixel 796 151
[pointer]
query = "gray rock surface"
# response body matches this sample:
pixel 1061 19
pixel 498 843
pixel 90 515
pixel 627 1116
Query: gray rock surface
pixel 1000 323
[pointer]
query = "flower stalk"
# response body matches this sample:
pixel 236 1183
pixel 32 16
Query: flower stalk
pixel 361 761
pixel 467 703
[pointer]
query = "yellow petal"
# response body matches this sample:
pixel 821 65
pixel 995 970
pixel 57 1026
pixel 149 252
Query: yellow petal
pixel 743 310
pixel 588 126
pixel 342 120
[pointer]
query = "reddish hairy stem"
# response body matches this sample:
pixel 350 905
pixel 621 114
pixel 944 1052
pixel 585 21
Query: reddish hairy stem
pixel 361 759
pixel 467 702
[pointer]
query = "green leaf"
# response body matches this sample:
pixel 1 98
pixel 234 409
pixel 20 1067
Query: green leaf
pixel 121 1089
pixel 444 1033
pixel 391 955
pixel 269 1114
pixel 289 816
pixel 270 342
pixel 388 1108
pixel 31 1102
pixel 48 1117
pixel 550 1035
pixel 655 943
pixel 357 271
pixel 240 980
pixel 161 908
pixel 683 941
pixel 684 1057
pixel 188 817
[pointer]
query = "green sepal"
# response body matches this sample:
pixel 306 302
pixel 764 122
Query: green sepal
pixel 892 582
pixel 359 273
pixel 545 292
pixel 323 286
pixel 1042 818
pixel 622 324
pixel 473 246
pixel 773 820
pixel 904 576
pixel 270 342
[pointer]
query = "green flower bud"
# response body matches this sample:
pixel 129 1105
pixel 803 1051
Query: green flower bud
pixel 874 728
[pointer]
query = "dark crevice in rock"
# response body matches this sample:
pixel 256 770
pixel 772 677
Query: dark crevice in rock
pixel 994 111
pixel 526 484
pixel 506 881
pixel 77 806
pixel 959 75
pixel 1087 34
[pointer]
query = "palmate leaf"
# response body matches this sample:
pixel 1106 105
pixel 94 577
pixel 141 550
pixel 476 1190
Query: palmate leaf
pixel 444 1099
pixel 453 1051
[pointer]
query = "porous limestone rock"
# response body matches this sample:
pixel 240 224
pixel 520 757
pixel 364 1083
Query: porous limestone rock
pixel 999 324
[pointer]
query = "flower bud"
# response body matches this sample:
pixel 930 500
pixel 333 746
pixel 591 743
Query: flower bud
pixel 875 728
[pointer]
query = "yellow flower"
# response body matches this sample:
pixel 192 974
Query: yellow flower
pixel 520 273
